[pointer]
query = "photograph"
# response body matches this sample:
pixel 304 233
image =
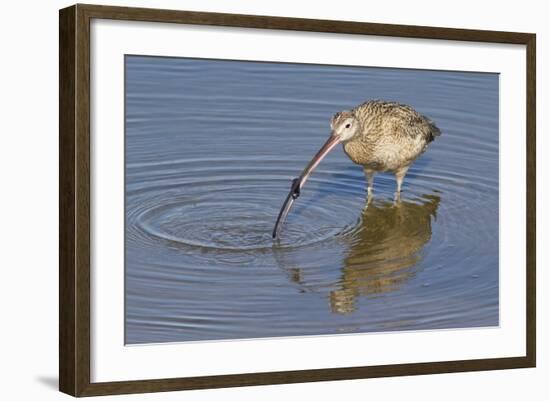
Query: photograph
pixel 274 199
pixel 253 199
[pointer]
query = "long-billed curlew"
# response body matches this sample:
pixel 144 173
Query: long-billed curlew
pixel 380 136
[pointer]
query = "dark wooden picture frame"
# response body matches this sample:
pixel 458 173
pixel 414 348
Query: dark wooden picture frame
pixel 74 199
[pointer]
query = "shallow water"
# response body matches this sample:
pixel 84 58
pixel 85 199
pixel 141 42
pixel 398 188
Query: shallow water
pixel 211 148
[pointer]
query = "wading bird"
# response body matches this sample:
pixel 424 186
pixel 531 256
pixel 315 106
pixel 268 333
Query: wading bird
pixel 378 135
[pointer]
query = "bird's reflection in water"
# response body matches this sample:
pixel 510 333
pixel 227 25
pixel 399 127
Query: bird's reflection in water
pixel 381 252
pixel 384 249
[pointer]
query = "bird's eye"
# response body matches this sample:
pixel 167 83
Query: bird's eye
pixel 348 125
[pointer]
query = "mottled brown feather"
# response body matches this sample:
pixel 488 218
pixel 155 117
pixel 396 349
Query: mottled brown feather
pixel 391 137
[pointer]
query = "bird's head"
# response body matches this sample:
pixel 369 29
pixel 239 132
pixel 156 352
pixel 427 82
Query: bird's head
pixel 345 125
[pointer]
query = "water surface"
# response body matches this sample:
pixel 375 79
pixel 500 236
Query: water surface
pixel 211 148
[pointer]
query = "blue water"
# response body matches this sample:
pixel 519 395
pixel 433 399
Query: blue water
pixel 211 148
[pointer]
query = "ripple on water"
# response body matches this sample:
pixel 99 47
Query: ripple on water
pixel 331 245
pixel 237 220
pixel 211 204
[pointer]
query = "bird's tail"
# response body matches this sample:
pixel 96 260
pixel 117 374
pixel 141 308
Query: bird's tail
pixel 434 131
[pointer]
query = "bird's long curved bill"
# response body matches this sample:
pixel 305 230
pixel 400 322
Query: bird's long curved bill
pixel 299 182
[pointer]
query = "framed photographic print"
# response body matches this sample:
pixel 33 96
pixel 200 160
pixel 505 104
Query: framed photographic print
pixel 250 200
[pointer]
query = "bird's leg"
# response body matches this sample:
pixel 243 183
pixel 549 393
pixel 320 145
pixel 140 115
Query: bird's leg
pixel 400 176
pixel 370 183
